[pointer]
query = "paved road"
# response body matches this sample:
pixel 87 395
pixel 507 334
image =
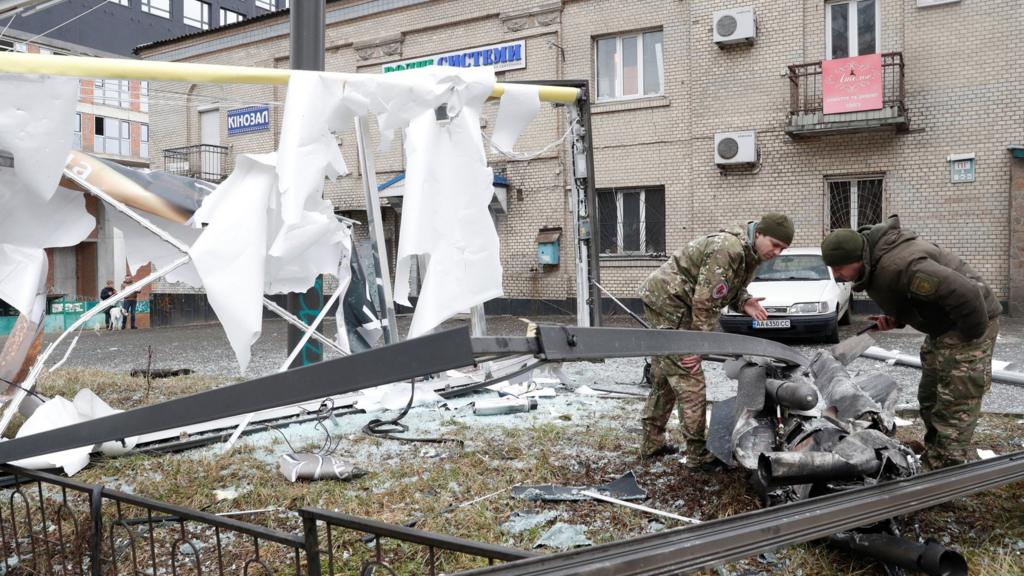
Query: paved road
pixel 205 349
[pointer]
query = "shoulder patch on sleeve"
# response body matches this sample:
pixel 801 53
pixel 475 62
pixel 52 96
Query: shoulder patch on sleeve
pixel 720 290
pixel 923 284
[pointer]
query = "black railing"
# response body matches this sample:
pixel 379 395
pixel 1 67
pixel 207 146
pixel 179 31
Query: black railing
pixel 316 521
pixel 53 525
pixel 805 95
pixel 202 161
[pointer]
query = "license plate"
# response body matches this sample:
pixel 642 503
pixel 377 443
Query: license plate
pixel 775 323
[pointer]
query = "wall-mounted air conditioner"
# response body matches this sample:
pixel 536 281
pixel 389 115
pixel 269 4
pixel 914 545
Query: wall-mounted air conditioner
pixel 734 26
pixel 736 148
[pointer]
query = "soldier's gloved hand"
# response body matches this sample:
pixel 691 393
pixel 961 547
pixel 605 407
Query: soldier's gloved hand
pixel 752 307
pixel 691 363
pixel 884 322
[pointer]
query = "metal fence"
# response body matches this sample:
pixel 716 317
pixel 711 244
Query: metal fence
pixel 51 525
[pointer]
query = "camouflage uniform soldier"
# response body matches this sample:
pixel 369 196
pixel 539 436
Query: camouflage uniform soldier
pixel 917 283
pixel 688 293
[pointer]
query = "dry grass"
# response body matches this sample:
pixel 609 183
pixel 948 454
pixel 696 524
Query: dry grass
pixel 988 528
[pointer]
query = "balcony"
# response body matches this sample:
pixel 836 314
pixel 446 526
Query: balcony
pixel 201 161
pixel 806 113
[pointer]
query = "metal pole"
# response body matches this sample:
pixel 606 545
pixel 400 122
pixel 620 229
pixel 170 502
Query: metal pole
pixel 376 225
pixel 583 105
pixel 306 39
pixel 581 219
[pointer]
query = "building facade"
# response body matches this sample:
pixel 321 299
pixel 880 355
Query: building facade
pixel 118 26
pixel 704 112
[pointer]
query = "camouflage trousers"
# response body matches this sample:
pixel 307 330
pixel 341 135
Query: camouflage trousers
pixel 955 375
pixel 673 386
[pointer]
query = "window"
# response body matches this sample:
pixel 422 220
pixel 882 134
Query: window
pixel 852 28
pixel 196 14
pixel 144 96
pixel 632 220
pixel 77 142
pixel 20 47
pixel 121 2
pixel 266 4
pixel 230 17
pixel 112 93
pixel 144 140
pixel 113 136
pixel 629 66
pixel 160 8
pixel 854 202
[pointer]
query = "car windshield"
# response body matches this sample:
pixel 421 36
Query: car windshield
pixel 793 267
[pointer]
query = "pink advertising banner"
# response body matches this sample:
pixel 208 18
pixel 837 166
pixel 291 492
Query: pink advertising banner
pixel 852 84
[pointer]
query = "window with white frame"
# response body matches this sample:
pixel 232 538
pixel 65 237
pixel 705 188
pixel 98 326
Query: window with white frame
pixel 196 14
pixel 127 3
pixel 160 8
pixel 266 4
pixel 852 28
pixel 77 143
pixel 230 17
pixel 20 47
pixel 144 140
pixel 113 136
pixel 112 93
pixel 144 96
pixel 853 202
pixel 629 65
pixel 632 220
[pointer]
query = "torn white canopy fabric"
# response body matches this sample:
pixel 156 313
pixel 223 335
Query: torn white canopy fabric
pixel 269 229
pixel 59 412
pixel 36 119
pixel 448 187
pixel 519 105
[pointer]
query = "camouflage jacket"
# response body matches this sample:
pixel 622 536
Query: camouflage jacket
pixel 691 288
pixel 921 284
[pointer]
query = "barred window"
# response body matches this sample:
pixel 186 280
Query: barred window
pixel 854 202
pixel 632 220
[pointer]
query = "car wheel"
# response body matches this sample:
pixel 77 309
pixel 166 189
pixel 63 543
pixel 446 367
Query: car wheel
pixel 845 320
pixel 832 336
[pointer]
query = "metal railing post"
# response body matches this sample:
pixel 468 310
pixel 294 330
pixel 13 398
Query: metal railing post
pixel 96 538
pixel 312 543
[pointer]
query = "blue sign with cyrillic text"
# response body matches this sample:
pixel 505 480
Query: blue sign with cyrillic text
pixel 249 119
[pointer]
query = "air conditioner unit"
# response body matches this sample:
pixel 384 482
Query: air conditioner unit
pixel 732 148
pixel 735 26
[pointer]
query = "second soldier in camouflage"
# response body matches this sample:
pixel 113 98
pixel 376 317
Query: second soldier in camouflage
pixel 688 292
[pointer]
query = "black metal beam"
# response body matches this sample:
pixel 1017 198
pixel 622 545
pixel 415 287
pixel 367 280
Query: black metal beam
pixel 560 343
pixel 394 363
pixel 705 545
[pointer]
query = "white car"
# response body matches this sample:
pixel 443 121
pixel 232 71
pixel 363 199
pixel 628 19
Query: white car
pixel 801 296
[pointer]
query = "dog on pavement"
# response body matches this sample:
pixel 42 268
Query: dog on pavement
pixel 116 318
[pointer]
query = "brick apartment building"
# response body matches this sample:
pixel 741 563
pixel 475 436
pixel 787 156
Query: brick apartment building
pixel 943 152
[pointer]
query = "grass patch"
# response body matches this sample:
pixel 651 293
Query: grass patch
pixel 433 483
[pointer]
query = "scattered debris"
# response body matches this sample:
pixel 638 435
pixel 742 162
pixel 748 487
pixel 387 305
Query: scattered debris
pixel 588 391
pixel 226 494
pixel 522 521
pixel 598 496
pixel 307 466
pixel 654 526
pixel 507 405
pixel 623 488
pixel 159 372
pixel 564 536
pixel 986 454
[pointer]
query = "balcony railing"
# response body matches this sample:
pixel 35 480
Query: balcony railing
pixel 202 161
pixel 807 116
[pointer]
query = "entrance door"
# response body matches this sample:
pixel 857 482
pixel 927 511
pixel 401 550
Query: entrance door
pixel 209 152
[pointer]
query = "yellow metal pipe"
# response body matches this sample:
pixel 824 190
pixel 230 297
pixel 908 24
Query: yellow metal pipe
pixel 88 67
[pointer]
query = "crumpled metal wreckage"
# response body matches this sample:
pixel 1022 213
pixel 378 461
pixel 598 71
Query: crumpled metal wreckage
pixel 815 430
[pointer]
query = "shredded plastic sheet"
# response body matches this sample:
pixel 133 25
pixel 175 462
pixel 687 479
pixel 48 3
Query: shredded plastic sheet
pixel 522 521
pixel 36 115
pixel 396 396
pixel 59 412
pixel 519 106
